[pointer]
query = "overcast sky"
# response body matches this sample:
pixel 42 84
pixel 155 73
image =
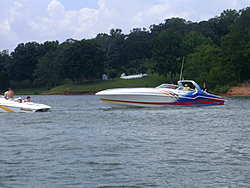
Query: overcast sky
pixel 24 21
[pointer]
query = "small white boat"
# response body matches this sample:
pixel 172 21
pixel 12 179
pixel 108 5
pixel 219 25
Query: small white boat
pixel 7 105
pixel 163 95
pixel 132 76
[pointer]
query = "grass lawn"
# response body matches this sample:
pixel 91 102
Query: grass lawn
pixel 98 85
pixel 152 80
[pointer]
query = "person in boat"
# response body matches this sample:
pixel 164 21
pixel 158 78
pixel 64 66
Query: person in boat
pixel 27 99
pixel 186 87
pixel 9 94
pixel 204 88
pixel 20 100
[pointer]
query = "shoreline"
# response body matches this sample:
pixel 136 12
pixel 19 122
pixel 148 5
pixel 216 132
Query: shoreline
pixel 238 91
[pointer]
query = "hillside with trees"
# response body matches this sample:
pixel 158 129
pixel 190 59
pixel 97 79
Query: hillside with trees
pixel 216 51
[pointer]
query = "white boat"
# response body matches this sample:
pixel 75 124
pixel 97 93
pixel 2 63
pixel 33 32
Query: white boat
pixel 8 105
pixel 163 95
pixel 132 76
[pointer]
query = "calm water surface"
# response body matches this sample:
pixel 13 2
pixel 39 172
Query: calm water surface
pixel 82 142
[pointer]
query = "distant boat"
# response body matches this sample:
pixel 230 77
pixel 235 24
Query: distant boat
pixel 161 96
pixel 7 105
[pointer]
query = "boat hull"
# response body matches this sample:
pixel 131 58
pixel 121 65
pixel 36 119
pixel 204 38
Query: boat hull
pixel 142 101
pixel 138 101
pixel 153 97
pixel 135 97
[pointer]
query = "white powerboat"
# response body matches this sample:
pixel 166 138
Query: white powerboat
pixel 7 105
pixel 163 95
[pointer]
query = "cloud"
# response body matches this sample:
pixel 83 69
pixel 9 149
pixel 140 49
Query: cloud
pixel 154 14
pixel 83 23
pixel 7 36
pixel 55 10
pixel 10 27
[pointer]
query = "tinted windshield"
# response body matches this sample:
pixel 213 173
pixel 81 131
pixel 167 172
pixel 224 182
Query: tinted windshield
pixel 170 86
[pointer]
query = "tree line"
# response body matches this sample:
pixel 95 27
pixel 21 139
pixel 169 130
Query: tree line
pixel 216 51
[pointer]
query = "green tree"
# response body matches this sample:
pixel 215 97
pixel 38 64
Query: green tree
pixel 112 45
pixel 143 69
pixel 131 71
pixel 235 48
pixel 225 20
pixel 49 70
pixel 5 61
pixel 179 24
pixel 217 27
pixel 192 40
pixel 203 66
pixel 25 57
pixel 50 46
pixel 137 46
pixel 113 73
pixel 167 53
pixel 84 59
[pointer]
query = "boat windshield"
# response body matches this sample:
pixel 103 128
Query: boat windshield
pixel 186 85
pixel 169 86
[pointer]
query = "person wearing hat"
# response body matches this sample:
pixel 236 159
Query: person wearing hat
pixel 20 100
pixel 9 94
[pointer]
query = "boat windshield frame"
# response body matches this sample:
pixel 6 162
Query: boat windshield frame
pixel 192 84
pixel 167 86
pixel 181 83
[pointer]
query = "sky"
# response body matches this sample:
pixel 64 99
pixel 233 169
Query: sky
pixel 23 21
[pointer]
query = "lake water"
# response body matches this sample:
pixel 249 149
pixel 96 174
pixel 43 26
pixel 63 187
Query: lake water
pixel 82 142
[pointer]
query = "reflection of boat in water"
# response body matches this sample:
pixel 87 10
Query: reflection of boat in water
pixel 163 95
pixel 14 106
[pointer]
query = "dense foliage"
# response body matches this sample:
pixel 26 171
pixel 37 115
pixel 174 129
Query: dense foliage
pixel 216 51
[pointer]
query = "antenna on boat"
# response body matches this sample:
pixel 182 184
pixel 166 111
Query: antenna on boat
pixel 182 67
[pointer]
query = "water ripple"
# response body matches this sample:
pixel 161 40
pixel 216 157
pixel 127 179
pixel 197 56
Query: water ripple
pixel 83 143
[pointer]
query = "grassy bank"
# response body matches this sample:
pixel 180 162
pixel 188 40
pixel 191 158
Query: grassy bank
pixel 91 87
pixel 68 88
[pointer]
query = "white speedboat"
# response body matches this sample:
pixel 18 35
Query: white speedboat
pixel 163 95
pixel 7 105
